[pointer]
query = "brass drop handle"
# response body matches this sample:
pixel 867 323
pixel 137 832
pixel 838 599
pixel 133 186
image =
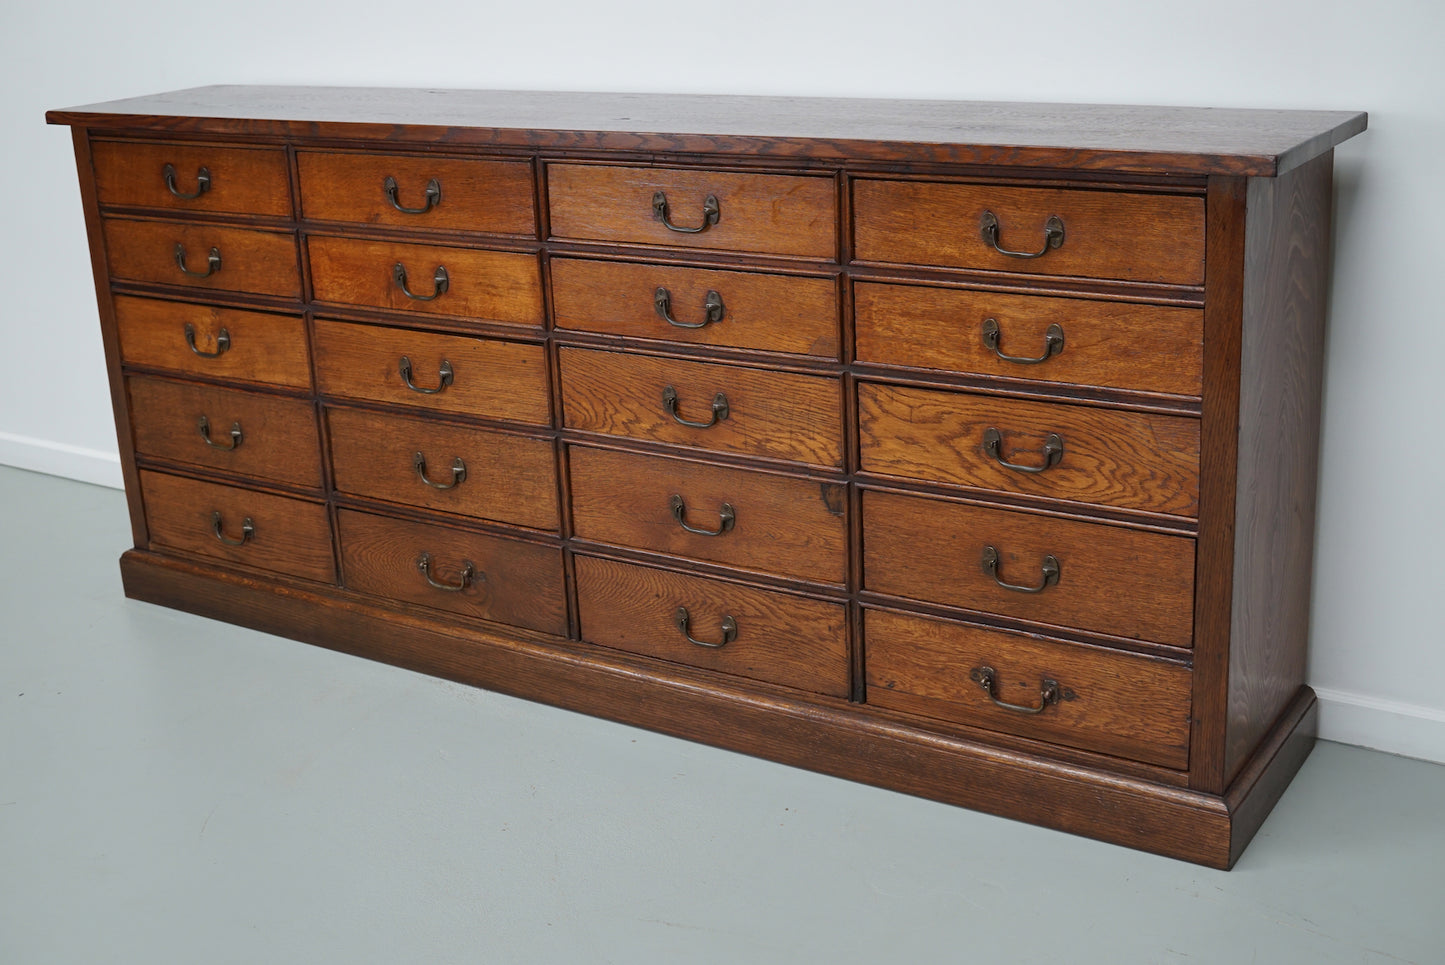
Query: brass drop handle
pixel 204 425
pixel 223 342
pixel 440 283
pixel 1049 570
pixel 720 410
pixel 1050 692
pixel 1053 451
pixel 729 630
pixel 1053 343
pixel 468 575
pixel 248 530
pixel 727 517
pixel 712 309
pixel 1053 236
pixel 433 195
pixel 444 376
pixel 459 472
pixel 203 182
pixel 711 214
pixel 213 262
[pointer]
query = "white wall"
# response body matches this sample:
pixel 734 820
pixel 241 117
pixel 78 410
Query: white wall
pixel 1378 648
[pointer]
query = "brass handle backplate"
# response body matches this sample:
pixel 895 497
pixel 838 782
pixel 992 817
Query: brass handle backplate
pixel 684 620
pixel 223 342
pixel 213 262
pixel 248 530
pixel 203 183
pixel 711 214
pixel 1050 692
pixel 1053 343
pixel 433 195
pixel 1053 236
pixel 727 517
pixel 204 425
pixel 444 376
pixel 1049 570
pixel 1053 451
pixel 720 409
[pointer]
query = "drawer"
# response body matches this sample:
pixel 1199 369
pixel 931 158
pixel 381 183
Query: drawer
pixel 445 373
pixel 767 213
pixel 472 472
pixel 494 286
pixel 210 178
pixel 1076 341
pixel 1106 234
pixel 759 634
pixel 1129 460
pixel 416 191
pixel 204 256
pixel 246 433
pixel 208 342
pixel 736 409
pixel 736 309
pixel 496 579
pixel 1115 703
pixel 239 526
pixel 778 524
pixel 1107 579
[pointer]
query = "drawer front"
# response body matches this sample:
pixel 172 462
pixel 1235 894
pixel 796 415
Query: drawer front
pixel 1077 341
pixel 450 373
pixel 472 472
pixel 208 178
pixel 760 634
pixel 239 526
pixel 1106 234
pixel 1109 579
pixel 780 525
pixel 744 410
pixel 203 256
pixel 736 309
pixel 204 341
pixel 419 192
pixel 1115 703
pixel 488 577
pixel 767 213
pixel 495 286
pixel 246 433
pixel 1131 460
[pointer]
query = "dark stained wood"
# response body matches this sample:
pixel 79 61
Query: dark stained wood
pixel 243 180
pixel 1132 460
pixel 263 347
pixel 773 313
pixel 263 262
pixel 1107 234
pixel 1263 777
pixel 787 640
pixel 1121 345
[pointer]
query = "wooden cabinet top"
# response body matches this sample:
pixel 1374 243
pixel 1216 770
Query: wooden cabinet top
pixel 1140 140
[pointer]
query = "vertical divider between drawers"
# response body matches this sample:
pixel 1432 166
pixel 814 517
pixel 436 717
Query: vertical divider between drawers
pixel 851 456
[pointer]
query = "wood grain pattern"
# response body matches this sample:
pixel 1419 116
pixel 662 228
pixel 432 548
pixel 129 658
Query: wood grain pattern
pixel 785 526
pixel 777 414
pixel 772 313
pixel 782 639
pixel 494 286
pixel 243 179
pixel 1114 580
pixel 516 583
pixel 1123 704
pixel 766 213
pixel 508 478
pixel 493 379
pixel 262 347
pixel 263 262
pixel 1117 345
pixel 1134 237
pixel 491 196
pixel 1132 460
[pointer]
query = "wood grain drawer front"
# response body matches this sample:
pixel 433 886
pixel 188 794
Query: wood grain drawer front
pixel 765 213
pixel 1078 341
pixel 459 374
pixel 768 523
pixel 494 286
pixel 239 526
pixel 743 410
pixel 247 433
pixel 736 309
pixel 203 256
pixel 1107 579
pixel 208 342
pixel 1130 460
pixel 1106 234
pixel 501 580
pixel 1116 703
pixel 210 178
pixel 760 634
pixel 473 472
pixel 415 191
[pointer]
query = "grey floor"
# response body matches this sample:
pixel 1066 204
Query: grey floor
pixel 177 790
